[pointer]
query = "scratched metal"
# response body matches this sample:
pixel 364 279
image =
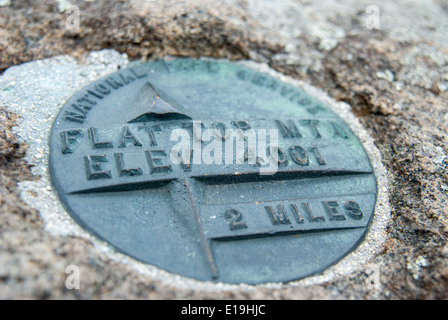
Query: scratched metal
pixel 110 165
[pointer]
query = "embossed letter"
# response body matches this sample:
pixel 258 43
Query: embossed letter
pixel 157 168
pixel 299 155
pixel 68 139
pixel 338 131
pixel 94 169
pixel 93 134
pixel 318 156
pixel 312 218
pixel 278 217
pixel 353 210
pixel 296 213
pixel 126 136
pixel 313 125
pixel 330 206
pixel 152 137
pixel 122 170
pixel 236 219
pixel 289 132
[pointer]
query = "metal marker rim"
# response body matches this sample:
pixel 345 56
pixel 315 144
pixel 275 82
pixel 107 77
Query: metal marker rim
pixel 360 256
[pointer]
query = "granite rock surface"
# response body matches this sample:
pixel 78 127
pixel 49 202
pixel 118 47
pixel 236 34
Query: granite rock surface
pixel 395 78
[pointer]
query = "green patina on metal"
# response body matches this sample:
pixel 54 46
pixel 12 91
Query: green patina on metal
pixel 110 165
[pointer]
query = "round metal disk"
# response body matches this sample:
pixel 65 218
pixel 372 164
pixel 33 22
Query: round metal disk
pixel 111 165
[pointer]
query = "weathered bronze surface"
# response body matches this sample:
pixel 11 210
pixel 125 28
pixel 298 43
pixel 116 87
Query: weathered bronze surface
pixel 110 165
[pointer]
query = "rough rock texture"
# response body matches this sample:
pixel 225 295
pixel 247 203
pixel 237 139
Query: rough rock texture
pixel 395 78
pixel 34 30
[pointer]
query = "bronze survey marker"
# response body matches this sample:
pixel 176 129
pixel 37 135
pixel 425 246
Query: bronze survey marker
pixel 110 165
